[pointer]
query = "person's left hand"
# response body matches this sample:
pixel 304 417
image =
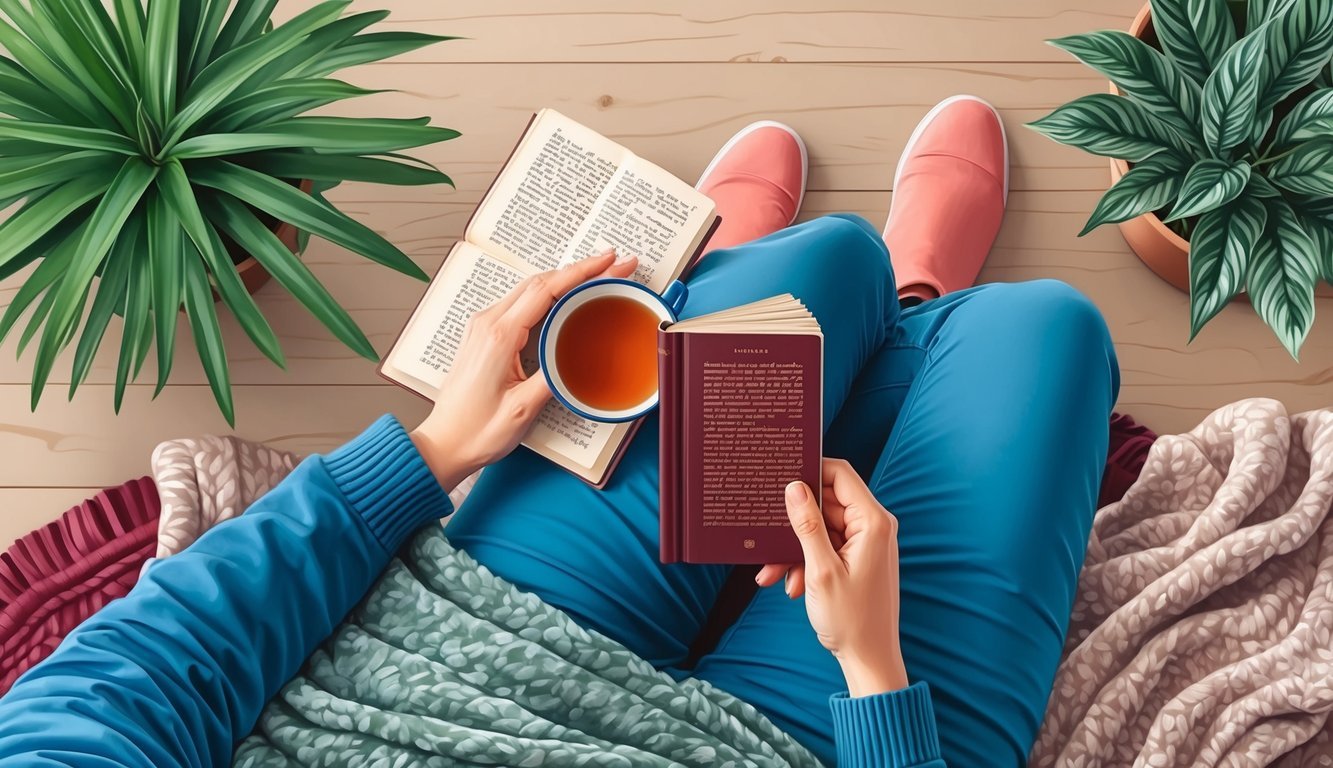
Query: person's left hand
pixel 486 403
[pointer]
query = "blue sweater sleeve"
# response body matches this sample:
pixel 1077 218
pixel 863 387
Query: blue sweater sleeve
pixel 176 672
pixel 888 730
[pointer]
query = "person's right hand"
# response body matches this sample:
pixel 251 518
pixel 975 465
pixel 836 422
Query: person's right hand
pixel 849 577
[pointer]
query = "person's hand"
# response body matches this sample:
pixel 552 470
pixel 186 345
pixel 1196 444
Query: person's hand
pixel 486 403
pixel 849 577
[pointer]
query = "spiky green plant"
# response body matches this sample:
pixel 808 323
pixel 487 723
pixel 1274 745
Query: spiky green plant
pixel 142 143
pixel 1229 125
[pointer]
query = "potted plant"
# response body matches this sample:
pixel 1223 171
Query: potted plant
pixel 1220 130
pixel 158 154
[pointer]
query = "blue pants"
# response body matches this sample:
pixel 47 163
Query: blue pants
pixel 979 419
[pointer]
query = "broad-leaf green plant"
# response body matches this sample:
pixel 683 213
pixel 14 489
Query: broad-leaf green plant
pixel 142 145
pixel 1228 125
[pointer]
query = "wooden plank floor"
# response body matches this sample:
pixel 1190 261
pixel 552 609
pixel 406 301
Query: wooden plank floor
pixel 853 76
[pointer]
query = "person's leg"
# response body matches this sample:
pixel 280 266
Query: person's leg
pixel 594 553
pixel 992 470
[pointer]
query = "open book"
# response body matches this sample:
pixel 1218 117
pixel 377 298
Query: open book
pixel 566 192
pixel 742 416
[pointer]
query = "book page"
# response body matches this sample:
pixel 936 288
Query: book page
pixel 546 191
pixel 469 282
pixel 648 213
pixel 561 430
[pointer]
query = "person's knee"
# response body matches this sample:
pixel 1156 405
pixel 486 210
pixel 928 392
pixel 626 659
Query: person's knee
pixel 848 245
pixel 1061 311
pixel 1065 323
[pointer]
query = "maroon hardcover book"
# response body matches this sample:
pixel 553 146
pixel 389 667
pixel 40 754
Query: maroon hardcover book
pixel 742 416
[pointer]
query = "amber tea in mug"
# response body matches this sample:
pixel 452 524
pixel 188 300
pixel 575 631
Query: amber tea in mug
pixel 606 352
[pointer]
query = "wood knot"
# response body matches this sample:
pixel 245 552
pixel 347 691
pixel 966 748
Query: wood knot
pixel 605 100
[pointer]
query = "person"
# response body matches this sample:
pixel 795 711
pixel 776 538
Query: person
pixel 977 416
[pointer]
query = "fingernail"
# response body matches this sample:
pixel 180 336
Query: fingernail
pixel 624 259
pixel 757 581
pixel 796 492
pixel 786 583
pixel 606 253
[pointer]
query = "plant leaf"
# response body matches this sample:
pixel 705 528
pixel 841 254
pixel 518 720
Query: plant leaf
pixel 289 271
pixel 41 215
pixel 208 336
pixel 1196 34
pixel 166 256
pixel 51 170
pixel 104 226
pixel 1220 248
pixel 1148 186
pixel 47 74
pixel 230 70
pixel 317 42
pixel 26 99
pixel 1307 169
pixel 317 167
pixel 201 37
pixel 245 23
pixel 177 191
pixel 43 246
pixel 46 274
pixel 91 21
pixel 290 204
pixel 1259 11
pixel 1281 276
pixel 1112 126
pixel 160 52
pixel 1210 184
pixel 1317 217
pixel 68 136
pixel 1143 73
pixel 364 49
pixel 1261 187
pixel 1310 118
pixel 110 292
pixel 333 135
pixel 136 330
pixel 130 20
pixel 78 67
pixel 284 99
pixel 1231 96
pixel 1299 43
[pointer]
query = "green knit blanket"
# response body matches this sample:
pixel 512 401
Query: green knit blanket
pixel 445 663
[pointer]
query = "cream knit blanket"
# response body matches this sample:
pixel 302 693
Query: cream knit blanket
pixel 1200 635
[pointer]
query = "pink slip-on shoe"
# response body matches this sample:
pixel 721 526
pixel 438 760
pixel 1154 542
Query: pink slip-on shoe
pixel 949 194
pixel 757 180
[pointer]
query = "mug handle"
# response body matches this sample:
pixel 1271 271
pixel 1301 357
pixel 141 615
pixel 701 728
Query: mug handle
pixel 675 296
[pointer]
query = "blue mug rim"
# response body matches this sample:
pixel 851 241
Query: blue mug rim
pixel 546 327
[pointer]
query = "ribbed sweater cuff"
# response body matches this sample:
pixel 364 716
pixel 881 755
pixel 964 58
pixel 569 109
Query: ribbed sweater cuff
pixel 894 729
pixel 386 481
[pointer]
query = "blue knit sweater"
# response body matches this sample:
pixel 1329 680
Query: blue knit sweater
pixel 177 672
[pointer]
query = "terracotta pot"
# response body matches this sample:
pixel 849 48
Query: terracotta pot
pixel 252 273
pixel 1165 252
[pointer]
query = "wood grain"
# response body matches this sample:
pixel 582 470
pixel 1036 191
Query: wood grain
pixel 780 31
pixel 857 116
pixel 853 76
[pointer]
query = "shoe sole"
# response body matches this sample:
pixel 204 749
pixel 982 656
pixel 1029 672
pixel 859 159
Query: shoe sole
pixel 929 118
pixel 746 131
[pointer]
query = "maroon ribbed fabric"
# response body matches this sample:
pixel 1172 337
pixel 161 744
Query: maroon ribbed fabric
pixel 1124 460
pixel 58 575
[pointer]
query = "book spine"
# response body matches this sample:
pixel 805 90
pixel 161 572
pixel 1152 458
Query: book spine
pixel 669 370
